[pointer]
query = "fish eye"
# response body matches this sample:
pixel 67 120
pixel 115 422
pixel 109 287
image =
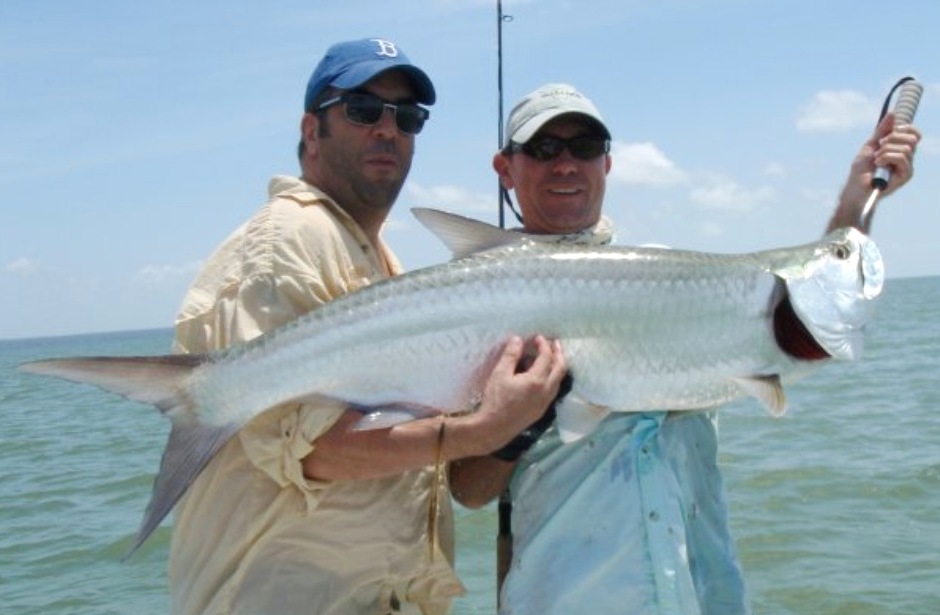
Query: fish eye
pixel 841 251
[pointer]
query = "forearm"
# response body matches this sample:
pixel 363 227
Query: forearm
pixel 889 147
pixel 343 453
pixel 477 481
pixel 512 401
pixel 848 211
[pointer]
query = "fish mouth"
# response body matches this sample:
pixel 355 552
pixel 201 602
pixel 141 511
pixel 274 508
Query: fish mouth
pixel 793 337
pixel 832 301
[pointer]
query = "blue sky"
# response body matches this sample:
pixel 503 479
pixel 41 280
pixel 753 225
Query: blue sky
pixel 135 136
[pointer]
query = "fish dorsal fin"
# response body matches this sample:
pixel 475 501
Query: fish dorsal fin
pixel 464 236
pixel 577 418
pixel 767 390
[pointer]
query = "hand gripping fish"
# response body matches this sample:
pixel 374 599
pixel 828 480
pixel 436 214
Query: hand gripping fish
pixel 642 329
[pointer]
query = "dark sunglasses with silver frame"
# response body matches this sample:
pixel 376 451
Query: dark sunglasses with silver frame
pixel 366 109
pixel 547 147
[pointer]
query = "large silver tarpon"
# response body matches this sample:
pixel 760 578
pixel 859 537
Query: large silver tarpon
pixel 642 329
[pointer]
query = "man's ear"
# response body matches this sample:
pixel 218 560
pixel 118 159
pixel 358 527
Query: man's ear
pixel 501 166
pixel 309 126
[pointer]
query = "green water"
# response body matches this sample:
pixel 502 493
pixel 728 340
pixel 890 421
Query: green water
pixel 835 507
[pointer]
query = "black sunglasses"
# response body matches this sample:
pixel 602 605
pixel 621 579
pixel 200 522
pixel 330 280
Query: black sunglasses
pixel 547 147
pixel 367 109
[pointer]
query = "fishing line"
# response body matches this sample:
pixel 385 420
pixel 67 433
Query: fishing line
pixel 503 192
pixel 504 532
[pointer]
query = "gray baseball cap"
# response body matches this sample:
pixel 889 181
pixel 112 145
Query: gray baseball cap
pixel 545 104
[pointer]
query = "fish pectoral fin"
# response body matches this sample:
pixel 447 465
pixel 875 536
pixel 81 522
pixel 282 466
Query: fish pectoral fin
pixel 767 390
pixel 389 415
pixel 576 418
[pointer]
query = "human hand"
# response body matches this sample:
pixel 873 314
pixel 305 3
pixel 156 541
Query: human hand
pixel 518 391
pixel 530 435
pixel 891 146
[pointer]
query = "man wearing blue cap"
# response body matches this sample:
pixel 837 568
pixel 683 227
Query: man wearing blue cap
pixel 300 513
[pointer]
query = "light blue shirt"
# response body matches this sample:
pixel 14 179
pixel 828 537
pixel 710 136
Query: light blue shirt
pixel 631 519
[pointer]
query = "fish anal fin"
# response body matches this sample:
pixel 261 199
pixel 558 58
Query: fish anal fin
pixel 389 415
pixel 766 389
pixel 576 417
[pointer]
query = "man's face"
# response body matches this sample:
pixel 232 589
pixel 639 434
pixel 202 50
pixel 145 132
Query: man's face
pixel 362 165
pixel 561 195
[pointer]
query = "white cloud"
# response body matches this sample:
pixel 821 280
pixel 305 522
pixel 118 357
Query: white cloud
pixel 836 111
pixel 451 198
pixel 477 3
pixel 712 229
pixel 23 267
pixel 825 198
pixel 153 275
pixel 928 145
pixel 775 169
pixel 722 194
pixel 933 90
pixel 643 163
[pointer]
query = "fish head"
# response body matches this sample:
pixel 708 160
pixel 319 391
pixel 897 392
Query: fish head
pixel 833 292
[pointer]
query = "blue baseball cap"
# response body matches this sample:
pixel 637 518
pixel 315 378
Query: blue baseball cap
pixel 349 64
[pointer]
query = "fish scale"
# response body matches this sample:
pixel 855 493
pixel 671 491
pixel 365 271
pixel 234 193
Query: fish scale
pixel 642 329
pixel 439 322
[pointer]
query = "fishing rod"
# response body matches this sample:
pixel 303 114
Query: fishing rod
pixel 500 18
pixel 904 109
pixel 504 507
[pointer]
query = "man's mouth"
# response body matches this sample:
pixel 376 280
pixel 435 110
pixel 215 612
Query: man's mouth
pixel 564 191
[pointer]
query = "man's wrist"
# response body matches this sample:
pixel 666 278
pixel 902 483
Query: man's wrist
pixel 517 446
pixel 530 435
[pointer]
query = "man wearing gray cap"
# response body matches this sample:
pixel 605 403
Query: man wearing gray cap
pixel 632 518
pixel 569 200
pixel 300 513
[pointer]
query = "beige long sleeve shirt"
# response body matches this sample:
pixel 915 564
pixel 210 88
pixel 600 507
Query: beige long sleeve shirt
pixel 253 535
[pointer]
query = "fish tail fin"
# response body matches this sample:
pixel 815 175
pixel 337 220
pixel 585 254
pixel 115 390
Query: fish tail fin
pixel 160 381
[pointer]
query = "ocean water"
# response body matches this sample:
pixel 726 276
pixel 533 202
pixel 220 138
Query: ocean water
pixel 835 507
